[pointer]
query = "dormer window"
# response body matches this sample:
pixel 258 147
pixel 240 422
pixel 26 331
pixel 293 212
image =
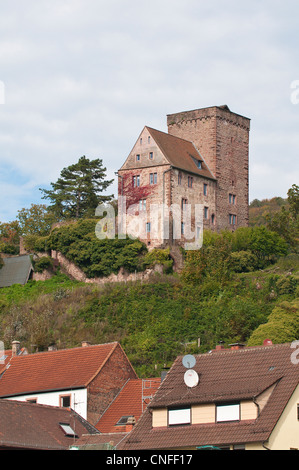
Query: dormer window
pixel 68 430
pixel 179 416
pixel 227 412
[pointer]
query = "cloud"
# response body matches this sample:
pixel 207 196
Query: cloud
pixel 83 78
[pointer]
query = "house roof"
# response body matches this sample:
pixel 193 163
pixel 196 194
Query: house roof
pixel 224 376
pixel 131 401
pixel 25 425
pixel 16 270
pixel 54 370
pixel 103 441
pixel 181 153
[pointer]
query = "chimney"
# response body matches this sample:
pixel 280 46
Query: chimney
pixel 130 423
pixel 16 348
pixel 220 346
pixel 236 346
pixel 85 344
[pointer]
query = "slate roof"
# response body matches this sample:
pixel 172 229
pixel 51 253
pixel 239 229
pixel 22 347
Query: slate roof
pixel 16 270
pixel 224 376
pixel 55 370
pixel 25 425
pixel 180 153
pixel 131 401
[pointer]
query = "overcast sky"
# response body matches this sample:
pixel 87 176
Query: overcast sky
pixel 85 77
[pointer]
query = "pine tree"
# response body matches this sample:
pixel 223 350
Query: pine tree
pixel 79 189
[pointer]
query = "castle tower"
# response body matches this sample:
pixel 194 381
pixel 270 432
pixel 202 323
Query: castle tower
pixel 222 138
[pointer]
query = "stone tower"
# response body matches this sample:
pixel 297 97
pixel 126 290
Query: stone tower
pixel 222 138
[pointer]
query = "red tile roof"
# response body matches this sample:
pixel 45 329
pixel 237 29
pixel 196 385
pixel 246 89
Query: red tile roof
pixel 54 370
pixel 180 153
pixel 131 401
pixel 25 425
pixel 224 376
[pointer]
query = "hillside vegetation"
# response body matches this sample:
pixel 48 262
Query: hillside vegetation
pixel 240 287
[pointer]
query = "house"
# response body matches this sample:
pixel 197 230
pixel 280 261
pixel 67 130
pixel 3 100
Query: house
pixel 241 398
pixel 200 165
pixel 86 378
pixel 16 270
pixel 27 426
pixel 127 407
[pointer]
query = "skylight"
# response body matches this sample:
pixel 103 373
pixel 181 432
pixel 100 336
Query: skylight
pixel 68 430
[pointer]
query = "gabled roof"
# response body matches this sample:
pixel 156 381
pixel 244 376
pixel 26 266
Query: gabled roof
pixel 224 376
pixel 25 425
pixel 180 153
pixel 55 370
pixel 131 401
pixel 16 270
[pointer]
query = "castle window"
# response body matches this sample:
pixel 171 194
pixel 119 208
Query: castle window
pixel 153 178
pixel 136 181
pixel 148 227
pixel 179 178
pixel 206 212
pixel 232 219
pixel 182 228
pixel 232 199
pixel 142 204
pixel 205 189
pixel 190 181
pixel 184 204
pixel 213 219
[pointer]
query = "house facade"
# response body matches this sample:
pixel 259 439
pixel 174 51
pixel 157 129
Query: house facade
pixel 86 379
pixel 244 399
pixel 192 178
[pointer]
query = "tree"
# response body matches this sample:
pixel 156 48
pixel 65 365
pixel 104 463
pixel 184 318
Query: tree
pixel 79 189
pixel 37 220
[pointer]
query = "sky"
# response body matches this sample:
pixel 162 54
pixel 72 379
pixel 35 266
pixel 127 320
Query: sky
pixel 84 77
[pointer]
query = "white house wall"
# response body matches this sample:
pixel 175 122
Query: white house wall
pixel 78 399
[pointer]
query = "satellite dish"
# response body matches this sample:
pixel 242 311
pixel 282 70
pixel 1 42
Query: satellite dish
pixel 191 378
pixel 189 361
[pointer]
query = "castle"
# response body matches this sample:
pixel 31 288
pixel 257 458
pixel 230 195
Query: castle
pixel 198 168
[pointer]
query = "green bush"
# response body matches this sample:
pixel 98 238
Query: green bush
pixel 45 262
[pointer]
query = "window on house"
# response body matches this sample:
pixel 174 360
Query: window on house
pixel 232 219
pixel 190 181
pixel 140 140
pixel 206 212
pixel 199 165
pixel 182 228
pixel 213 219
pixel 228 412
pixel 68 430
pixel 205 189
pixel 179 416
pixel 65 401
pixel 184 204
pixel 142 204
pixel 138 157
pixel 149 139
pixel 123 420
pixel 151 155
pixel 136 181
pixel 179 178
pixel 153 178
pixel 148 227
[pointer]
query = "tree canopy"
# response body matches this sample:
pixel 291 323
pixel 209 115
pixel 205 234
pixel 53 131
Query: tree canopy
pixel 78 190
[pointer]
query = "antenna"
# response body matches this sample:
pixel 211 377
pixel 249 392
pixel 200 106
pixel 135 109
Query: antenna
pixel 191 377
